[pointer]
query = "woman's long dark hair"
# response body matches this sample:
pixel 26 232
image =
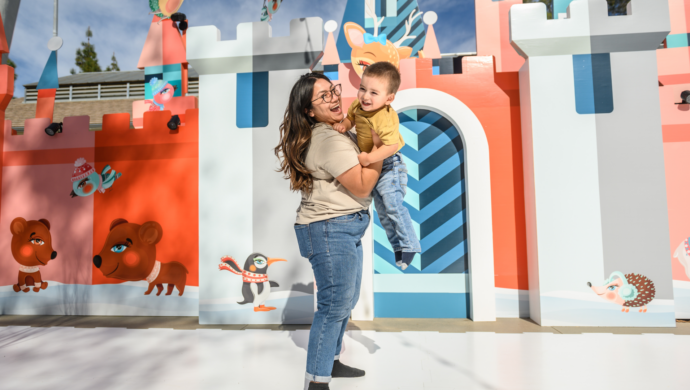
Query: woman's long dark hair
pixel 295 134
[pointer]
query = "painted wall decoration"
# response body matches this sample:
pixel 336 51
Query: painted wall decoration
pixel 630 290
pixel 399 21
pixel 165 8
pixel 32 247
pixel 85 180
pixel 129 253
pixel 34 187
pixel 269 9
pixel 162 92
pixel 682 254
pixel 256 288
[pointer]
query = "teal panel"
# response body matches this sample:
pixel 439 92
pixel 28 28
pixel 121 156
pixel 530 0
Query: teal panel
pixel 49 77
pixel 677 40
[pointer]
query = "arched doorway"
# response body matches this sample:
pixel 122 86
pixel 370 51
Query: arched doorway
pixel 478 232
pixel 435 285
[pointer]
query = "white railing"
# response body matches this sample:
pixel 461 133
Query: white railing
pixel 102 92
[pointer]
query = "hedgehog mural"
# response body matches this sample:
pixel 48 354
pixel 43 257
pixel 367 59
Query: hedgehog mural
pixel 630 290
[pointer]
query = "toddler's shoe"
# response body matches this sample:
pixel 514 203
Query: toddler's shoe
pixel 399 263
pixel 403 266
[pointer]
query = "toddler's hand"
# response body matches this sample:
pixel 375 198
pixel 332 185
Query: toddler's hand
pixel 364 159
pixel 340 128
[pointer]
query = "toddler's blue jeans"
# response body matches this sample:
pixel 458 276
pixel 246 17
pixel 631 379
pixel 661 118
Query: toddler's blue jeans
pixel 334 249
pixel 389 194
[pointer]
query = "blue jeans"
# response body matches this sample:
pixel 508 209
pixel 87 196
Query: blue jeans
pixel 389 194
pixel 334 249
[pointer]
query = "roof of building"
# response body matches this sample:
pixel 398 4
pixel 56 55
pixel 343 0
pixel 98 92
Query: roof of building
pixel 18 112
pixel 128 76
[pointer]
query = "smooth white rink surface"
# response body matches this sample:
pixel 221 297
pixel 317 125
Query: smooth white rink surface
pixel 116 358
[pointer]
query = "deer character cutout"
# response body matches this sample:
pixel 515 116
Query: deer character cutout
pixel 368 48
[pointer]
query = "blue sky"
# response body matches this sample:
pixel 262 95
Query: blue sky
pixel 121 27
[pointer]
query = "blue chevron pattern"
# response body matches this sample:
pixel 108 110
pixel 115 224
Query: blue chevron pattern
pixel 435 197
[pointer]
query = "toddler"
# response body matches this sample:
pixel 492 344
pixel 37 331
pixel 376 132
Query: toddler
pixel 377 124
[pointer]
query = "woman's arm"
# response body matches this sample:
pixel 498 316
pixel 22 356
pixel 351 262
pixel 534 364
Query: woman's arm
pixel 359 180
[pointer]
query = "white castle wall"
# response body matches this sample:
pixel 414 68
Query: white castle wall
pixel 594 173
pixel 244 205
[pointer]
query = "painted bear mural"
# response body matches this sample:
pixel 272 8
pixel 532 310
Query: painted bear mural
pixel 32 248
pixel 129 254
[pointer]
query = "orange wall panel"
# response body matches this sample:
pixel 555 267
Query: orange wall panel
pixel 159 183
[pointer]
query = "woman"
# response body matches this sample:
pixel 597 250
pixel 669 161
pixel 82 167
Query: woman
pixel 332 218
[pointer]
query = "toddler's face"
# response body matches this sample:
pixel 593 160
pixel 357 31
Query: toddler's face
pixel 373 93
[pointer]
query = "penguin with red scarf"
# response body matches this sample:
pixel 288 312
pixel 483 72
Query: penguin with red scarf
pixel 255 287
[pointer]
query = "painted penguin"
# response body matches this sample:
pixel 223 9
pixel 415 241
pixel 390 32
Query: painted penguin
pixel 256 287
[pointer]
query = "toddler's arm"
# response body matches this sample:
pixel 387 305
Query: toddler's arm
pixel 379 154
pixel 342 127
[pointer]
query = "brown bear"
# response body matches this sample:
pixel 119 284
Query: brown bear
pixel 129 254
pixel 32 247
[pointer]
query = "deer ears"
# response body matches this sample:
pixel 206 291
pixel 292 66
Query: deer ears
pixel 18 226
pixel 354 34
pixel 151 233
pixel 404 52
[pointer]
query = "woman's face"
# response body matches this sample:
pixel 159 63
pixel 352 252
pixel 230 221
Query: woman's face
pixel 329 112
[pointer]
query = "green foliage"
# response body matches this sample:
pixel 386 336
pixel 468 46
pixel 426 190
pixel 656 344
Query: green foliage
pixel 113 67
pixel 12 64
pixel 618 7
pixel 87 59
pixel 549 6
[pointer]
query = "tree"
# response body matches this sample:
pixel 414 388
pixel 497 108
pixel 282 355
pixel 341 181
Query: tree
pixel 618 7
pixel 113 67
pixel 87 59
pixel 12 64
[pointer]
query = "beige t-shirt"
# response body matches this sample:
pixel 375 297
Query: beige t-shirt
pixel 330 155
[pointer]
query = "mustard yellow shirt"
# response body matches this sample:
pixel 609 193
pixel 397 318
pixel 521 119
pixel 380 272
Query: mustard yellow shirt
pixel 384 122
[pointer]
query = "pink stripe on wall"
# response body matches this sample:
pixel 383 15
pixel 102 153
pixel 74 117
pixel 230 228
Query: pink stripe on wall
pixel 42 191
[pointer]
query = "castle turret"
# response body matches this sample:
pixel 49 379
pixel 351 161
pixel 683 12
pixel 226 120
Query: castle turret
pixel 238 129
pixel 493 33
pixel 595 192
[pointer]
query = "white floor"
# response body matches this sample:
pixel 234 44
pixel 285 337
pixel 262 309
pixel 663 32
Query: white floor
pixel 112 358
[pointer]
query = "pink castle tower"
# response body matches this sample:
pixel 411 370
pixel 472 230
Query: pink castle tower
pixel 493 33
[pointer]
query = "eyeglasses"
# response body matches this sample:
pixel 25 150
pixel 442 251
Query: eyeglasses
pixel 327 97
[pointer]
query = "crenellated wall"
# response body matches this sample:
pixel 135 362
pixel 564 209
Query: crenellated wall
pixel 593 158
pixel 245 205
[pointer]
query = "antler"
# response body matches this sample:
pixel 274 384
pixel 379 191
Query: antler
pixel 371 11
pixel 408 27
